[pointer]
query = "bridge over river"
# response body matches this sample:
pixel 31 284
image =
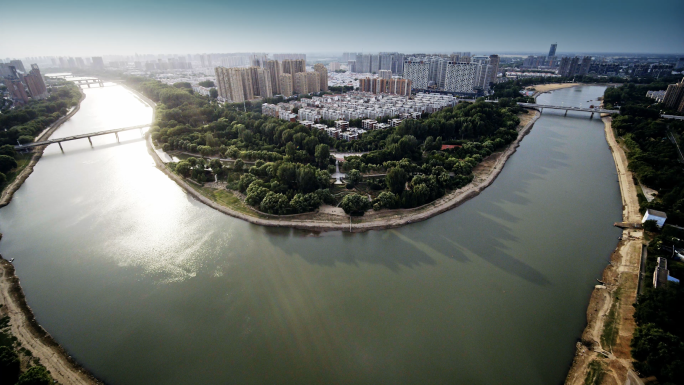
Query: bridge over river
pixel 59 141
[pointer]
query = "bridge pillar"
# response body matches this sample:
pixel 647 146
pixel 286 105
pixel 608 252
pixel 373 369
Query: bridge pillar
pixel 566 113
pixel 117 136
pixel 592 116
pixel 60 146
pixel 141 133
pixel 541 110
pixel 91 142
pixel 88 84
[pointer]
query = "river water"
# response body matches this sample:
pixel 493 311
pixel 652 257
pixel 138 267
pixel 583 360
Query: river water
pixel 142 284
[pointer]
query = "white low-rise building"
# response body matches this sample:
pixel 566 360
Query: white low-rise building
pixel 655 215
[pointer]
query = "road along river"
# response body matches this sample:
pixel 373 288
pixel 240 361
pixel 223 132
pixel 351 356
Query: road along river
pixel 143 284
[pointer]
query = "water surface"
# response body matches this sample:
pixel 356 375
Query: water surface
pixel 142 284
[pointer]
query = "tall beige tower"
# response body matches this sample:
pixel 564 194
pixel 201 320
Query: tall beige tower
pixel 300 86
pixel 275 71
pixel 229 84
pixel 286 85
pixel 264 82
pixel 313 82
pixel 323 73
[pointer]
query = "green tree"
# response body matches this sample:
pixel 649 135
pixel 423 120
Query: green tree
pixel 306 178
pixel 213 93
pixel 36 375
pixel 651 225
pixel 354 204
pixel 8 150
pixel 183 168
pixel 386 200
pixel 207 83
pixel 7 163
pixel 658 353
pixel 9 365
pixel 275 204
pixel 322 155
pixel 354 177
pixel 287 174
pixel 238 165
pixel 256 194
pixel 396 180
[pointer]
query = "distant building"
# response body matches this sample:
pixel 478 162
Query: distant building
pixel 16 90
pixel 323 76
pixel 552 50
pixel 655 215
pixel 18 65
pixel 313 82
pixel 229 84
pixel 286 86
pixel 98 63
pixel 274 72
pixel 385 74
pixel 334 66
pixel 418 72
pixel 293 66
pixel 674 96
pixel 460 77
pixel 35 83
pixel 299 83
pixel 680 63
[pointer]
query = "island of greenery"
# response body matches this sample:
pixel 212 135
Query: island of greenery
pixel 282 167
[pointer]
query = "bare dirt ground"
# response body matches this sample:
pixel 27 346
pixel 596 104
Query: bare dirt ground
pixel 32 336
pixel 621 279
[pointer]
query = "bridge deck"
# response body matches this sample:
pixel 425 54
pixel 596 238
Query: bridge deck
pixel 81 136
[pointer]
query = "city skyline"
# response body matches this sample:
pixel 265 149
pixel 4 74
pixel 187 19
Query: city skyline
pixel 96 28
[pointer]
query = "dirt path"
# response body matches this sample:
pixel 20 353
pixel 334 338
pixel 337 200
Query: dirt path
pixel 32 336
pixel 621 278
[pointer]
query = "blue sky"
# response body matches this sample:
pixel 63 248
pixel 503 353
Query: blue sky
pixel 86 28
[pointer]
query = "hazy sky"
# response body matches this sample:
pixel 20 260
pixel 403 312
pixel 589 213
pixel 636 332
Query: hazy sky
pixel 91 27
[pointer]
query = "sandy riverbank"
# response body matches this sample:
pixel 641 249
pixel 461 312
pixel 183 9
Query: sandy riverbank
pixel 32 336
pixel 9 191
pixel 621 278
pixel 485 174
pixel 551 87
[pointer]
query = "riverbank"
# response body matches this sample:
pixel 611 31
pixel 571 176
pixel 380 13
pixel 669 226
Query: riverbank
pixel 551 87
pixel 9 191
pixel 610 314
pixel 31 336
pixel 485 174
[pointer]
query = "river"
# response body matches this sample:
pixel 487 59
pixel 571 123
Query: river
pixel 143 284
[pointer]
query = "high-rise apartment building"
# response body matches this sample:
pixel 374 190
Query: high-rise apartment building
pixel 289 56
pixel 229 84
pixel 585 65
pixel 385 74
pixel 299 83
pixel 35 83
pixel 16 89
pixel 18 65
pixel 248 83
pixel 286 85
pixel 98 63
pixel 334 66
pixel 493 69
pixel 386 86
pixel 313 81
pixel 569 66
pixel 418 72
pixel 351 66
pixel 323 74
pixel 265 85
pixel 291 67
pixel 461 77
pixel 375 64
pixel 674 96
pixel 274 71
pixel 363 63
pixel 552 50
